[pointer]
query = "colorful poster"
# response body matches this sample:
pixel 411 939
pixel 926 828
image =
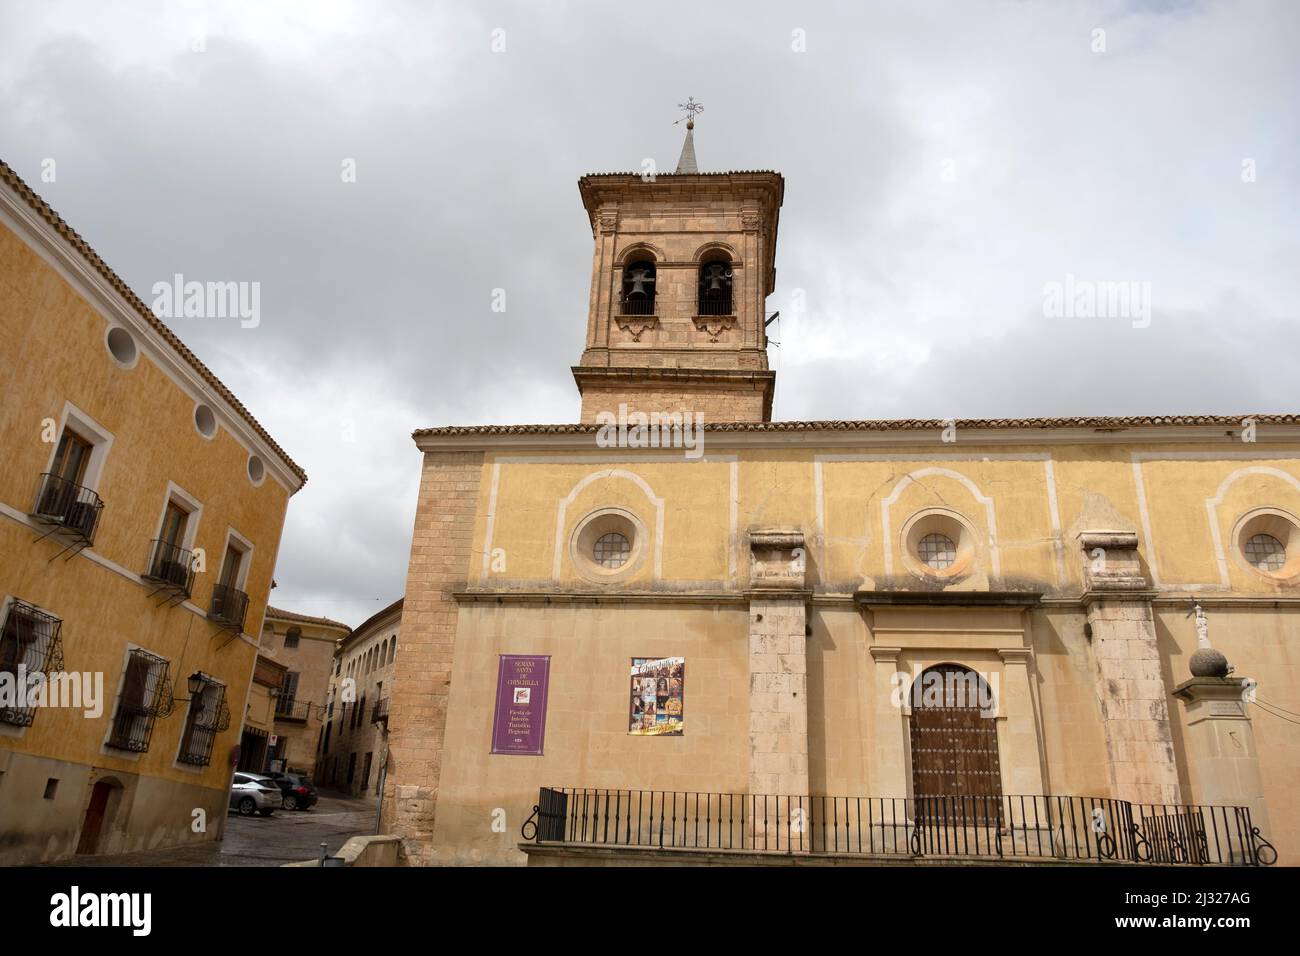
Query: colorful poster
pixel 519 724
pixel 658 696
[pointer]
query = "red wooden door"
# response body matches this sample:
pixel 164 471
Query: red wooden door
pixel 94 820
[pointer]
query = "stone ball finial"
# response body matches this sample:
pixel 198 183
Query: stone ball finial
pixel 1207 662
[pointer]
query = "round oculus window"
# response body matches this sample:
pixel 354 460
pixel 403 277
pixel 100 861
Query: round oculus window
pixel 1268 542
pixel 938 543
pixel 611 550
pixel 1265 552
pixel 205 420
pixel 937 551
pixel 121 346
pixel 608 546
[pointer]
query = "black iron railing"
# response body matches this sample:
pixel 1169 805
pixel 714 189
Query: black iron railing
pixel 208 716
pixel 715 305
pixel 171 566
pixel 637 306
pixel 229 606
pixel 29 644
pixel 292 708
pixel 380 715
pixel 146 695
pixel 957 827
pixel 68 506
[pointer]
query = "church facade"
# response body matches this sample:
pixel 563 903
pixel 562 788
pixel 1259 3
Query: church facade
pixel 951 627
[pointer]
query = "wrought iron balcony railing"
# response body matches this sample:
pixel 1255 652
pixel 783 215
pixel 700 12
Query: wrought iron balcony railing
pixel 715 305
pixel 380 713
pixel 1021 828
pixel 29 644
pixel 229 606
pixel 291 708
pixel 69 507
pixel 638 306
pixel 171 567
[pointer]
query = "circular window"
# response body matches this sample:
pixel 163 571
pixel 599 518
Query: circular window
pixel 121 346
pixel 612 550
pixel 1266 552
pixel 256 470
pixel 938 544
pixel 937 551
pixel 608 546
pixel 205 420
pixel 1269 542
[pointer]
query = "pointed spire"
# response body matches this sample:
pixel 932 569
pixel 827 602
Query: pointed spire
pixel 686 164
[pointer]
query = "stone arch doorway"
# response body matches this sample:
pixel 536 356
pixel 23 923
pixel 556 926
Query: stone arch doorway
pixel 954 738
pixel 104 799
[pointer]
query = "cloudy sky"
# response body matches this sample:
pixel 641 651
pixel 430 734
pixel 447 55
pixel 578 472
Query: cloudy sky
pixel 944 162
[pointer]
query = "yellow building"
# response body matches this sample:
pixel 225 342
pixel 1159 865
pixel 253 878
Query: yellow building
pixel 141 507
pixel 304 646
pixel 871 639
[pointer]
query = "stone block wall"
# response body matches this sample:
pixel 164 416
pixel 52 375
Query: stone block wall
pixel 440 557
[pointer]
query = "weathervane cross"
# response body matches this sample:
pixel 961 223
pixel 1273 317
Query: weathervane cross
pixel 691 107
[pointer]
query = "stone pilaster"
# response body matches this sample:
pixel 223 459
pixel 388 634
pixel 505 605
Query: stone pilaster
pixel 778 665
pixel 1222 760
pixel 1022 765
pixel 1130 685
pixel 887 759
pixel 440 559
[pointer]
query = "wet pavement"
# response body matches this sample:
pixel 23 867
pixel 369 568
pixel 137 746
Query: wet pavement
pixel 284 837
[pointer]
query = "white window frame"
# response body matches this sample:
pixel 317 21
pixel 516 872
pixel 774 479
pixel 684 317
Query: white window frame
pixel 192 505
pixel 245 560
pixel 101 440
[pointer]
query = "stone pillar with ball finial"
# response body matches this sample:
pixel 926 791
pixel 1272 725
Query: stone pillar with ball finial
pixel 1222 760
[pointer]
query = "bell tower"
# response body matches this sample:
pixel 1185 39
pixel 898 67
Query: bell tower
pixel 681 271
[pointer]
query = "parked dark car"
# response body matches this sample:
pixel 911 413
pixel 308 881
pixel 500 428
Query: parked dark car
pixel 298 792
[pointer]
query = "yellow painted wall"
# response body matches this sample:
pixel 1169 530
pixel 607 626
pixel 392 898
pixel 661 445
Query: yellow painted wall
pixel 1026 502
pixel 55 353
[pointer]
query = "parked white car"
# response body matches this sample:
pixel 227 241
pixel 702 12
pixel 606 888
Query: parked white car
pixel 254 793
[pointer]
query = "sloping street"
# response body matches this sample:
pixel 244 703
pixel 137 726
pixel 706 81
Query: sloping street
pixel 284 837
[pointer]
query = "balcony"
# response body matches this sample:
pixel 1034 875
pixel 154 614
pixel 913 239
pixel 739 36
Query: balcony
pixel 715 304
pixel 69 508
pixel 171 568
pixel 757 829
pixel 293 710
pixel 380 714
pixel 229 606
pixel 637 305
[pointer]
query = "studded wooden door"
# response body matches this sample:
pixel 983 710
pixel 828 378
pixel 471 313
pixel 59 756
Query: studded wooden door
pixel 955 766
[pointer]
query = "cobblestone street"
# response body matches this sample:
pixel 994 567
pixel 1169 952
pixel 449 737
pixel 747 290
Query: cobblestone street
pixel 283 837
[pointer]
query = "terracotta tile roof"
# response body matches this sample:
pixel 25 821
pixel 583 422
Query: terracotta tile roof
pixel 284 615
pixel 906 424
pixel 659 175
pixel 74 239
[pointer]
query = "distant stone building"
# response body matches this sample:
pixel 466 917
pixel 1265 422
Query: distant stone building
pixel 305 647
pixel 141 507
pixel 255 740
pixel 355 741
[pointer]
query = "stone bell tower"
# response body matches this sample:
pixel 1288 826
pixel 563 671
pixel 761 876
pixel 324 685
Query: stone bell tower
pixel 682 268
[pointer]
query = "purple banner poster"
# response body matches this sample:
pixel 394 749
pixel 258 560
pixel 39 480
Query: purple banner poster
pixel 519 724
